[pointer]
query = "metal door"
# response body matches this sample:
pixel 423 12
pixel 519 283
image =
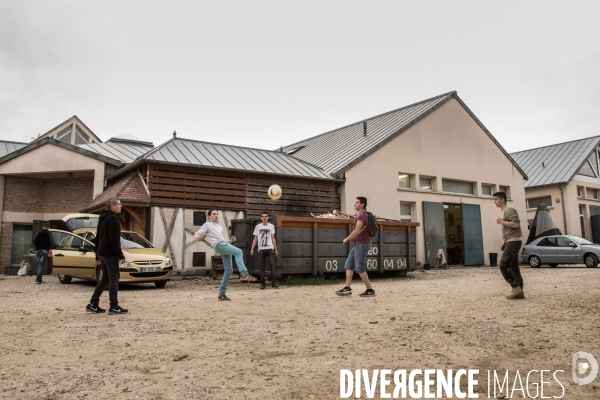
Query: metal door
pixel 595 228
pixel 434 229
pixel 472 234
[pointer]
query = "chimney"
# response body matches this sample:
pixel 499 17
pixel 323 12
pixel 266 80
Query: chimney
pixel 365 128
pixel 174 134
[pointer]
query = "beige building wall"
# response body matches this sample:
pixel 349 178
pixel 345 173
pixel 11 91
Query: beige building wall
pixel 572 202
pixel 34 186
pixel 449 144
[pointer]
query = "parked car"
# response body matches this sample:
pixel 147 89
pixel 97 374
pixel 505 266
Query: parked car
pixel 561 249
pixel 73 256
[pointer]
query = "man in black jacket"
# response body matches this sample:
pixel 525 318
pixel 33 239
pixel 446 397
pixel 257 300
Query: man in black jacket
pixel 108 256
pixel 42 246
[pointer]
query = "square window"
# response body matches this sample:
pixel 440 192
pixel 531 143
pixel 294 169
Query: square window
pixel 505 189
pixel 199 218
pixel 425 183
pixel 591 193
pixel 486 190
pixel 199 260
pixel 406 212
pixel 404 180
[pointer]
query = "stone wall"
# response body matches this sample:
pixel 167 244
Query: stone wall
pixel 5 245
pixel 47 195
pixel 24 194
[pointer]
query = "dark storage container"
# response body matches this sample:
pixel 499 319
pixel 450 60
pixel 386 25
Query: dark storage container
pixel 314 245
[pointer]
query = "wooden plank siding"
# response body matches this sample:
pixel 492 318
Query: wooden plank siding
pixel 300 197
pixel 183 186
pixel 175 185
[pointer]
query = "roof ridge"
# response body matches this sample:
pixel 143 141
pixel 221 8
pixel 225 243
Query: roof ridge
pixel 555 144
pixel 126 184
pixel 453 93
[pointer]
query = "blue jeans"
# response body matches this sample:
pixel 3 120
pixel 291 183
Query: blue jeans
pixel 226 251
pixel 42 256
pixel 357 258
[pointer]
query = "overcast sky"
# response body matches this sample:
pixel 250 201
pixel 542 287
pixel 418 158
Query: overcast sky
pixel 269 73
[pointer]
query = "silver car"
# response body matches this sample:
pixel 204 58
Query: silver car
pixel 561 249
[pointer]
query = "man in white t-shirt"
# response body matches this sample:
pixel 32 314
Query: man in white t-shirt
pixel 264 234
pixel 213 232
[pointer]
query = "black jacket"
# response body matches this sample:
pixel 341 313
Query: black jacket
pixel 42 240
pixel 108 237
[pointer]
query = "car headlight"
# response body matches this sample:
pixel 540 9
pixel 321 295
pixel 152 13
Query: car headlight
pixel 168 262
pixel 126 264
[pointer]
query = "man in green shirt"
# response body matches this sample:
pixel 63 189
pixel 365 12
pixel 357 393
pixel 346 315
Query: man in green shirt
pixel 511 233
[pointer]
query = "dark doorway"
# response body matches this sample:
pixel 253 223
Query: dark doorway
pixel 454 234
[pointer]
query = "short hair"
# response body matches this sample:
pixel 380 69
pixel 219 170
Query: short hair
pixel 500 195
pixel 46 226
pixel 111 202
pixel 263 213
pixel 210 210
pixel 363 200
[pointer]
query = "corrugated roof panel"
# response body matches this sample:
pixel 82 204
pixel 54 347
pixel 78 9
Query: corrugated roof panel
pixel 123 151
pixel 191 152
pixel 560 161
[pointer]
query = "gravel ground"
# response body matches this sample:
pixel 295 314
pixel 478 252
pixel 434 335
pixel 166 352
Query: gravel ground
pixel 181 343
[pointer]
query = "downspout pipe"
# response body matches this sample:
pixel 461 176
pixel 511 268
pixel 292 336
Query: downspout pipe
pixel 562 200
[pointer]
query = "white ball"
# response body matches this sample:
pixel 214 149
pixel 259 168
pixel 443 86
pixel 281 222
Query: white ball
pixel 275 192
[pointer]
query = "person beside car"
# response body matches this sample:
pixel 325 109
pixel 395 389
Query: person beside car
pixel 42 247
pixel 511 233
pixel 108 256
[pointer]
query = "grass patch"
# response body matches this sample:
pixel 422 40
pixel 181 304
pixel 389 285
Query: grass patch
pixel 334 279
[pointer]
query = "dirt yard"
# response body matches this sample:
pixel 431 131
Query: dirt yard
pixel 181 343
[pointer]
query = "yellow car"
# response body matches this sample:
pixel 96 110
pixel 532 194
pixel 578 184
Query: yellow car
pixel 73 256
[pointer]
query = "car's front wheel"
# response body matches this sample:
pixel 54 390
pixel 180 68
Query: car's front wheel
pixel 160 284
pixel 553 265
pixel 65 279
pixel 535 261
pixel 590 260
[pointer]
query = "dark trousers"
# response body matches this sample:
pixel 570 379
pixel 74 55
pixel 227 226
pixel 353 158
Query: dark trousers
pixel 263 256
pixel 509 264
pixel 109 268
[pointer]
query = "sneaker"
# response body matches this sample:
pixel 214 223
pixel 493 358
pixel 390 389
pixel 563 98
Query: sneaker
pixel 263 286
pixel 275 286
pixel 117 310
pixel 246 278
pixel 38 282
pixel 368 293
pixel 94 309
pixel 346 291
pixel 222 297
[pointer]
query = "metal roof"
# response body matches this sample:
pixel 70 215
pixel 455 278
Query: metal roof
pixel 126 151
pixel 557 163
pixel 214 155
pixel 338 150
pixel 9 147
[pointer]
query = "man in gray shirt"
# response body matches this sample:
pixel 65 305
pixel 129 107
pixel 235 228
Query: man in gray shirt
pixel 213 232
pixel 511 233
